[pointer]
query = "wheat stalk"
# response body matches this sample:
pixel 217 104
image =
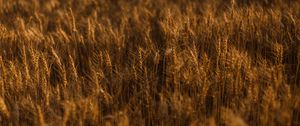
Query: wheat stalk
pixel 73 68
pixel 14 76
pixel 108 62
pixel 2 76
pixel 3 108
pixel 74 28
pixel 41 120
pixel 25 64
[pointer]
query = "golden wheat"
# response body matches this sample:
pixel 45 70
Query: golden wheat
pixel 164 62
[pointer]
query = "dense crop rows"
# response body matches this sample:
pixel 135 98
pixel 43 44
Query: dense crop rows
pixel 150 62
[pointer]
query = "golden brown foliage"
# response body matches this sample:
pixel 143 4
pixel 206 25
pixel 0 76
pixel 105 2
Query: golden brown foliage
pixel 143 62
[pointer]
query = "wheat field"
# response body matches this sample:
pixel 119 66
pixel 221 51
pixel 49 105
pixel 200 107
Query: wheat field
pixel 150 62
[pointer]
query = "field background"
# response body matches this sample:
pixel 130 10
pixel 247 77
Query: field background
pixel 150 62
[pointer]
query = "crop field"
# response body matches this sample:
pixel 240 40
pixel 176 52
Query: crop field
pixel 150 62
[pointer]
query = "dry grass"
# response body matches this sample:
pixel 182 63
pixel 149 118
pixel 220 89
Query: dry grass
pixel 163 62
